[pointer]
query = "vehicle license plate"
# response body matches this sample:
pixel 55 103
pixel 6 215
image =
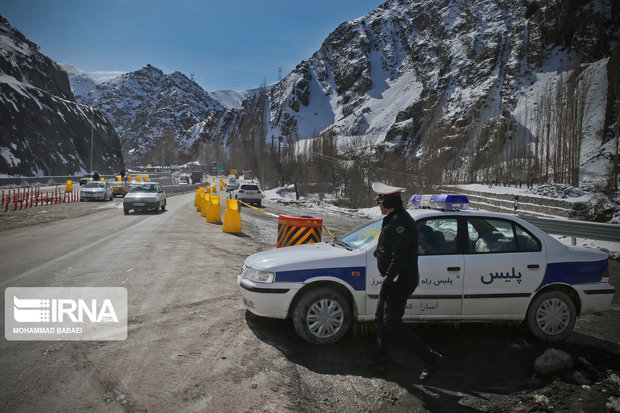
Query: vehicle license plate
pixel 139 204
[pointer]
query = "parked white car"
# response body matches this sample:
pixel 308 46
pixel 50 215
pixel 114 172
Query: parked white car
pixel 97 190
pixel 474 266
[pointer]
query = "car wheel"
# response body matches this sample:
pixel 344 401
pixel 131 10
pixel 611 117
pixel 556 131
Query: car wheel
pixel 551 316
pixel 258 203
pixel 126 211
pixel 163 207
pixel 322 316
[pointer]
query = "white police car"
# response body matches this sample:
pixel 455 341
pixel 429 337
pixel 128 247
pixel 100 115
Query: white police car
pixel 474 266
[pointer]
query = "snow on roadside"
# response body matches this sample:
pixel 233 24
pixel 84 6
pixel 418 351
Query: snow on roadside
pixel 325 202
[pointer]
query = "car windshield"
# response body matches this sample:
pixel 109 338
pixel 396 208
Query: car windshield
pixel 364 235
pixel 95 185
pixel 143 188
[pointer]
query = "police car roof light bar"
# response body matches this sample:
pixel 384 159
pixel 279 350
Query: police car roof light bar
pixel 444 202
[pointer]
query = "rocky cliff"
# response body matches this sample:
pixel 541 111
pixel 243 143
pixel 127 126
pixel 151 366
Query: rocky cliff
pixel 161 118
pixel 443 81
pixel 43 131
pixel 445 76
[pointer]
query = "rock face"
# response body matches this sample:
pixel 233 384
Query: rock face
pixel 43 131
pixel 451 82
pixel 450 77
pixel 161 118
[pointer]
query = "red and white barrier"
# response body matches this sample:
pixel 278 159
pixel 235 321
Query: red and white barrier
pixel 30 197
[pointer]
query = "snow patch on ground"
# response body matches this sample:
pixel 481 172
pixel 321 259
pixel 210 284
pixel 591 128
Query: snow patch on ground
pixel 326 202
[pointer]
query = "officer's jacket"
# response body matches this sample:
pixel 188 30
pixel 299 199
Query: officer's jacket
pixel 397 248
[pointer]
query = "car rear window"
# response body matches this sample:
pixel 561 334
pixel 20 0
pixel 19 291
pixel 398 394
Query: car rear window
pixel 250 187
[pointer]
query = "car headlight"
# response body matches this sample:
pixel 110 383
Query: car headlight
pixel 264 277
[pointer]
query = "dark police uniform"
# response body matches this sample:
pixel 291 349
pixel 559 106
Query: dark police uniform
pixel 397 261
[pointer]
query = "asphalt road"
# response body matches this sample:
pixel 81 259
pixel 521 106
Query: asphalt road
pixel 190 348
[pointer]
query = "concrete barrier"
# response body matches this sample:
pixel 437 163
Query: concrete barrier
pixel 204 205
pixel 214 211
pixel 232 217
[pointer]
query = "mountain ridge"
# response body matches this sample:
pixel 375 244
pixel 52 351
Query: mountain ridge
pixel 449 84
pixel 43 130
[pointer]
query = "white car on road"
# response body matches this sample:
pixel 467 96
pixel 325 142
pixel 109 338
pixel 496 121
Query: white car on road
pixel 249 193
pixel 97 190
pixel 145 196
pixel 474 266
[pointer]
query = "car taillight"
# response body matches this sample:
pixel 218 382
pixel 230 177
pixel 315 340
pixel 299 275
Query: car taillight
pixel 241 190
pixel 607 273
pixel 258 192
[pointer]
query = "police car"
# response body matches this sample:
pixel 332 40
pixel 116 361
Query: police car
pixel 474 266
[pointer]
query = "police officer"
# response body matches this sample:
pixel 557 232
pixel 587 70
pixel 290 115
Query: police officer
pixel 397 261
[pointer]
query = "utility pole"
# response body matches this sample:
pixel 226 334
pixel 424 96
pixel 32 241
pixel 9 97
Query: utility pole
pixel 92 127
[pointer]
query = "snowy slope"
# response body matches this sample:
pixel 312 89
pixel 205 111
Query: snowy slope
pixel 416 71
pixel 156 114
pixel 231 99
pixel 81 82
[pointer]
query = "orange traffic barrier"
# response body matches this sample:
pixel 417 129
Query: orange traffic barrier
pixel 294 230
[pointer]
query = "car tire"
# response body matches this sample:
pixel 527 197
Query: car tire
pixel 258 203
pixel 163 207
pixel 551 316
pixel 322 316
pixel 126 211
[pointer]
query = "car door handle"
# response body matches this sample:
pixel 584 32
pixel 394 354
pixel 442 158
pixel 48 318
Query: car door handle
pixel 454 268
pixel 533 266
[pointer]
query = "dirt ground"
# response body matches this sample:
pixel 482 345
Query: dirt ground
pixel 190 347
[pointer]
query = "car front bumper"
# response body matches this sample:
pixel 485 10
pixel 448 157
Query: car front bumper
pixel 268 300
pixel 92 195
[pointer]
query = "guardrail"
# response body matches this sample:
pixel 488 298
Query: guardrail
pixel 576 229
pixel 25 181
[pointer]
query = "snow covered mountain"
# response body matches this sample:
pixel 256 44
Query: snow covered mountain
pixel 431 77
pixel 455 84
pixel 43 131
pixel 440 79
pixel 160 117
pixel 81 82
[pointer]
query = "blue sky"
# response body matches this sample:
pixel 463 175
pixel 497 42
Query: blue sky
pixel 227 44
